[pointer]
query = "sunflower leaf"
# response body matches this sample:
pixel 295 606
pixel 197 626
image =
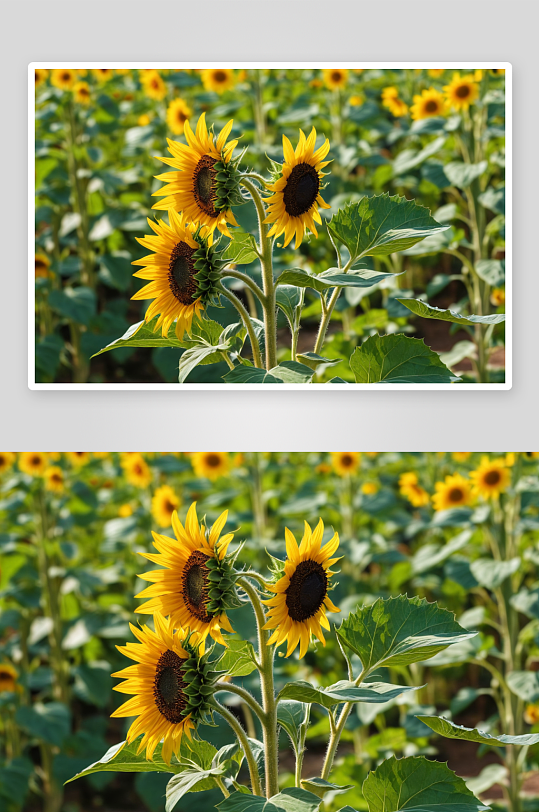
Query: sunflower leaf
pixel 237 660
pixel 381 225
pixel 143 335
pixel 320 787
pixel 399 631
pixel 332 279
pixel 342 691
pixel 241 249
pixel 416 784
pixel 398 359
pixel 469 734
pixel 289 800
pixel 293 718
pixel 430 312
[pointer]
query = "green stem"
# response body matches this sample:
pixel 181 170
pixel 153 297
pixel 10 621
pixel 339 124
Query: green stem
pixel 220 783
pixel 245 696
pixel 227 359
pixel 336 733
pixel 247 281
pixel 327 310
pixel 244 741
pixel 257 358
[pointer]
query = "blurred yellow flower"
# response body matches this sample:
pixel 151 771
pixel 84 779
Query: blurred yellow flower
pixel 137 470
pixel 430 103
pixel 42 265
pixel 8 678
pixel 397 107
pixel 63 78
pixel 218 79
pixel 345 463
pixel 210 464
pixel 124 511
pixel 390 92
pixel 491 478
pixel 335 78
pixel 41 76
pixel 461 92
pixel 178 112
pixel 78 458
pixel 164 503
pixel 497 297
pixel 143 120
pixel 102 74
pixel 461 456
pixel 356 101
pixel 454 491
pixel 153 84
pixel 370 488
pixel 409 487
pixel 7 458
pixel 435 72
pixel 54 479
pixel 81 93
pixel 33 462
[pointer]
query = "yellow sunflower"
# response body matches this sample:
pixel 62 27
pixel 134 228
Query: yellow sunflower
pixel 430 103
pixel 293 206
pixel 102 74
pixel 42 265
pixel 191 589
pixel 531 455
pixel 497 72
pixel 143 120
pixel 54 479
pixel 33 462
pixel 63 78
pixel 8 678
pixel 397 107
pixel 435 72
pixel 199 188
pixel 78 458
pixel 136 469
pixel 218 79
pixel 412 490
pixel 531 714
pixel 356 101
pixel 345 462
pixel 497 297
pixel 389 93
pixel 335 78
pixel 461 456
pixel 370 488
pixel 178 112
pixel 124 511
pixel 461 92
pixel 298 608
pixel 491 478
pixel 7 458
pixel 81 93
pixel 164 503
pixel 210 464
pixel 182 273
pixel 455 491
pixel 153 84
pixel 41 76
pixel 167 662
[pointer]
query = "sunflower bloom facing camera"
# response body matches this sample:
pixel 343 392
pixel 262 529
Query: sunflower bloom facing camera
pixel 81 93
pixel 182 273
pixel 197 585
pixel 461 92
pixel 63 78
pixel 178 112
pixel 33 463
pixel 491 478
pixel 54 479
pixel 345 463
pixel 454 491
pixel 298 608
pixel 335 78
pixel 430 103
pixel 218 79
pixel 206 182
pixel 7 458
pixel 210 464
pixel 293 206
pixel 136 469
pixel 164 503
pixel 168 664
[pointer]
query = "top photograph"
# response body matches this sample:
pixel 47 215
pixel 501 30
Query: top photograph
pixel 250 225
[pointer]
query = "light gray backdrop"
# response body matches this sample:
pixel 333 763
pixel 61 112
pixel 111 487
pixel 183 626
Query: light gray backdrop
pixel 391 30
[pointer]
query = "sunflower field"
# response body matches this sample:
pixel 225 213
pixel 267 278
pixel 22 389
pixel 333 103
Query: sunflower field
pixel 308 225
pixel 273 631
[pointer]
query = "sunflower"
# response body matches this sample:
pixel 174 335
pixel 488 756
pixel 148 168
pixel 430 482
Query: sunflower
pixel 397 107
pixel 7 458
pixel 491 478
pixel 461 92
pixel 81 93
pixel 345 462
pixel 531 455
pixel 168 667
pixel 63 78
pixel 33 462
pixel 430 103
pixel 298 608
pixel 197 585
pixel 137 470
pixel 389 93
pixel 335 78
pixel 102 74
pixel 41 76
pixel 153 84
pixel 455 491
pixel 183 273
pixel 143 120
pixel 410 488
pixel 356 101
pixel 78 458
pixel 293 207
pixel 42 265
pixel 370 488
pixel 461 456
pixel 497 297
pixel 164 503
pixel 435 72
pixel 210 464
pixel 178 112
pixel 531 714
pixel 54 479
pixel 124 511
pixel 8 678
pixel 218 79
pixel 207 182
pixel 497 72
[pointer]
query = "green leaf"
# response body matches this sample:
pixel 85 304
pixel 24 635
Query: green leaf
pixel 491 271
pixel 470 734
pixel 399 631
pixel 288 298
pixel 289 800
pixel 15 778
pixel 431 555
pixel 430 312
pixel 489 775
pixel 49 722
pixel 318 786
pixel 381 225
pixel 143 335
pixel 313 360
pixel 78 304
pixel 398 359
pixel 332 279
pixel 243 374
pixel 527 602
pixel 525 684
pixel 494 199
pixel 238 658
pixel 416 784
pixel 196 778
pixel 342 691
pixel 292 372
pixel 241 249
pixel 491 573
pixel 116 270
pixel 409 159
pixel 93 683
pixel 462 175
pixel 293 716
pixel 193 357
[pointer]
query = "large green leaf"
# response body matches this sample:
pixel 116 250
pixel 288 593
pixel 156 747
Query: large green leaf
pixel 469 734
pixel 342 691
pixel 332 278
pixel 47 721
pixel 380 225
pixel 78 304
pixel 416 784
pixel 293 717
pixel 524 684
pixel 491 270
pixel 491 573
pixel 409 159
pixel 462 175
pixel 399 631
pixel 286 372
pixel 238 659
pixel 143 335
pixel 430 312
pixel 195 356
pixel 398 359
pixel 241 249
pixel 197 778
pixel 289 800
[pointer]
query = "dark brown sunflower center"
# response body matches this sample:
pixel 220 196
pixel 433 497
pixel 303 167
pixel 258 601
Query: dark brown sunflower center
pixel 195 587
pixel 336 76
pixel 492 478
pixel 56 478
pixel 204 185
pixel 462 92
pixel 168 687
pixel 456 495
pixel 37 77
pixel 169 507
pixel 431 106
pixel 40 265
pixel 35 461
pixel 213 460
pixel 66 77
pixel 219 76
pixel 181 273
pixel 301 191
pixel 307 590
pixel 346 461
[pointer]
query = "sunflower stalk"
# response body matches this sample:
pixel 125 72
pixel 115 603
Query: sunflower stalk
pixel 229 717
pixel 255 346
pixel 327 309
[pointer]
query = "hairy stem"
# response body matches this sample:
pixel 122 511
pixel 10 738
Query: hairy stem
pixel 257 358
pixel 244 741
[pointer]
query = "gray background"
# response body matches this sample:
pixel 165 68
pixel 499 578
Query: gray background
pixel 37 30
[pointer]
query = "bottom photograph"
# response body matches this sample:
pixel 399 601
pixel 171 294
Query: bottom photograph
pixel 294 632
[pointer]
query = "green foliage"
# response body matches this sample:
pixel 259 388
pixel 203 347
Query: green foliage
pixel 452 731
pixel 429 312
pixel 289 800
pixel 398 359
pixel 343 691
